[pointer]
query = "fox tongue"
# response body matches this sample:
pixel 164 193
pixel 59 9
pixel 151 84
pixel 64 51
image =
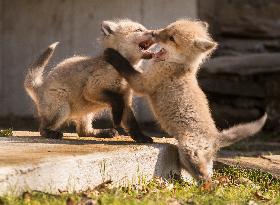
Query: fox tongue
pixel 161 54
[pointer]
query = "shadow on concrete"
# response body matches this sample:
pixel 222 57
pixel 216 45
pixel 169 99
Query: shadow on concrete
pixel 253 149
pixel 79 141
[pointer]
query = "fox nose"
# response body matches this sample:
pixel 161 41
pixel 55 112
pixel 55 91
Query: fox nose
pixel 150 33
pixel 203 178
pixel 157 33
pixel 201 175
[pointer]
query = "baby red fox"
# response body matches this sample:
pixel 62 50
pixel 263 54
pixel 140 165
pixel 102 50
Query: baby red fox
pixel 177 100
pixel 79 87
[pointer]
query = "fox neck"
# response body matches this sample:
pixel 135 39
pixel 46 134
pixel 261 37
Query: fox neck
pixel 194 62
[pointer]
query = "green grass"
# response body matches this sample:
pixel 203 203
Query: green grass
pixel 6 132
pixel 230 185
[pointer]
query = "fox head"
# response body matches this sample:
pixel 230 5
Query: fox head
pixel 197 157
pixel 185 42
pixel 197 154
pixel 129 38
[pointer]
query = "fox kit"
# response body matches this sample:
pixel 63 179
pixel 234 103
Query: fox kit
pixel 79 87
pixel 180 105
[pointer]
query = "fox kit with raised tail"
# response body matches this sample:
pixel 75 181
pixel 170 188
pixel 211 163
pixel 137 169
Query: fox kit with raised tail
pixel 79 87
pixel 180 105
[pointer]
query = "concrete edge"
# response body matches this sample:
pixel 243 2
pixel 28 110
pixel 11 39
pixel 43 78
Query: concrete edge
pixel 80 172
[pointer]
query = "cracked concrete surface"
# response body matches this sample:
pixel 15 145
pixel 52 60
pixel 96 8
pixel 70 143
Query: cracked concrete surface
pixel 30 162
pixel 29 147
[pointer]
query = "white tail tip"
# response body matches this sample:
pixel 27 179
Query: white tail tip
pixel 263 119
pixel 52 46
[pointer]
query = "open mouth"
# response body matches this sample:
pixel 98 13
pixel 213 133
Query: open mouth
pixel 144 46
pixel 149 51
pixel 160 55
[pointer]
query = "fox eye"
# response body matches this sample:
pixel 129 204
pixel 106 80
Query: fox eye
pixel 171 38
pixel 139 30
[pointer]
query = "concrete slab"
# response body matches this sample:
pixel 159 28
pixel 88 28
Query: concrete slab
pixel 34 163
pixel 29 162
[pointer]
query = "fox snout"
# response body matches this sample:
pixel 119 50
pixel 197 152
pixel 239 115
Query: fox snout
pixel 149 34
pixel 200 173
pixel 158 35
pixel 152 33
pixel 196 164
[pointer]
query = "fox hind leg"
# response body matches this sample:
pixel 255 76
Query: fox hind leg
pixel 84 128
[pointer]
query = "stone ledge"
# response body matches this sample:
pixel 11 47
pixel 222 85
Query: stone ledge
pixel 29 162
pixel 34 163
pixel 247 64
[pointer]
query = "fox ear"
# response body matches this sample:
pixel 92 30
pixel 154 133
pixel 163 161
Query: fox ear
pixel 205 24
pixel 108 27
pixel 204 44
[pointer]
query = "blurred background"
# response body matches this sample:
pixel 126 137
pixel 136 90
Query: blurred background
pixel 242 80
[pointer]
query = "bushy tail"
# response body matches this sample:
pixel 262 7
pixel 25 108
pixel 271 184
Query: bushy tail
pixel 241 131
pixel 34 77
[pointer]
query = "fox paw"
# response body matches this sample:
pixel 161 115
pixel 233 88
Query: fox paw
pixel 106 133
pixel 141 138
pixel 51 134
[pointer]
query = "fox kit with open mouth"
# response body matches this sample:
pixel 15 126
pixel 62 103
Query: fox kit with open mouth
pixel 177 100
pixel 79 87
